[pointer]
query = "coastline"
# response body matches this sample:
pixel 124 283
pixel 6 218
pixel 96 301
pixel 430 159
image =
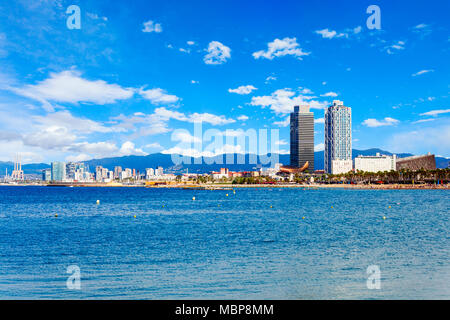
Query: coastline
pixel 244 186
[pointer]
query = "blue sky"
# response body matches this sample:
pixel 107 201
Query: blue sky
pixel 138 70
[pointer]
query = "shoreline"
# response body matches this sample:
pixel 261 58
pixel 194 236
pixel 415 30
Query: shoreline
pixel 248 186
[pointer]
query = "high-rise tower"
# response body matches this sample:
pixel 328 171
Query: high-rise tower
pixel 302 138
pixel 338 134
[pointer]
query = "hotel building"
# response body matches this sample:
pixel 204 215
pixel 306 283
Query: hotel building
pixel 375 163
pixel 338 138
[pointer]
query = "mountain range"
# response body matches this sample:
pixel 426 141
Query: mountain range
pixel 165 160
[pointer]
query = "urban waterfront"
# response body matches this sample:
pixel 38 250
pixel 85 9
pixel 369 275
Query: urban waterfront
pixel 256 243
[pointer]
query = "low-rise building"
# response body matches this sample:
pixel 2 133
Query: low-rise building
pixel 341 166
pixel 426 162
pixel 375 163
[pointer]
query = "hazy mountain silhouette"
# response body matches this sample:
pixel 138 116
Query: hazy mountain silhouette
pixel 198 165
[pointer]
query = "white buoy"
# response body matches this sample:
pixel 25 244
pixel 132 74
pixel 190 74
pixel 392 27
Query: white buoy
pixel 98 201
pixel 193 198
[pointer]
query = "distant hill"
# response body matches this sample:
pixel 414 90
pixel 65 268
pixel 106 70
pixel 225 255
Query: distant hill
pixel 207 164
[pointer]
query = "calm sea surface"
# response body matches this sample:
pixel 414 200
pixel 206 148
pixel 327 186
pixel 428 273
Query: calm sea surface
pixel 220 247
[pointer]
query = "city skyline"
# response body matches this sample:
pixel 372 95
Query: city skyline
pixel 130 76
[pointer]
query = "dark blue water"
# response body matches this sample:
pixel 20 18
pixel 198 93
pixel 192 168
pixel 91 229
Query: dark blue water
pixel 220 247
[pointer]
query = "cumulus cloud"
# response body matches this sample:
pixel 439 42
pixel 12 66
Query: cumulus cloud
pixel 50 138
pixel 151 26
pixel 69 86
pixel 243 89
pixel 283 101
pixel 242 118
pixel 280 48
pixel 373 123
pixel 158 96
pixel 67 120
pixel 218 53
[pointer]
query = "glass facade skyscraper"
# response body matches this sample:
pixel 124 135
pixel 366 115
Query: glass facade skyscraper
pixel 338 134
pixel 58 171
pixel 302 138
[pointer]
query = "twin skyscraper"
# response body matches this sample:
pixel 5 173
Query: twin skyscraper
pixel 338 137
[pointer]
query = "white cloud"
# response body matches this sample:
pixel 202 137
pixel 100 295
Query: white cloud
pixel 283 101
pixel 185 136
pixel 68 86
pixel 319 147
pixel 190 43
pixel 151 26
pixel 195 82
pixel 319 121
pixel 67 120
pixel 419 141
pixel 283 123
pixel 373 123
pixel 158 96
pixel 154 145
pixel 95 16
pixel 270 78
pixel 128 148
pixel 424 120
pixel 243 89
pixel 330 34
pixel 421 72
pixel 50 138
pixel 217 53
pixel 305 91
pixel 242 118
pixel 434 113
pixel 87 150
pixel 280 48
pixel 395 47
pixel 190 152
pixel 421 26
pixel 281 142
pixel 329 94
pixel 210 118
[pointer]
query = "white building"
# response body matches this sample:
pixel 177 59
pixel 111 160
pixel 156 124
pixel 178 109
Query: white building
pixel 125 174
pixel 375 163
pixel 149 172
pixel 341 166
pixel 338 134
pixel 159 171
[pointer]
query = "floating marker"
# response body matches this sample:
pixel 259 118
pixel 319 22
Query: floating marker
pixel 193 198
pixel 303 218
pixel 227 194
pixel 389 207
pixel 384 218
pixel 98 201
pixel 56 215
pixel 135 216
pixel 271 207
pixel 332 207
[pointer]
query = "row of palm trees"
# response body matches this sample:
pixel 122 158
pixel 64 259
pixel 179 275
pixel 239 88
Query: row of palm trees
pixel 404 176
